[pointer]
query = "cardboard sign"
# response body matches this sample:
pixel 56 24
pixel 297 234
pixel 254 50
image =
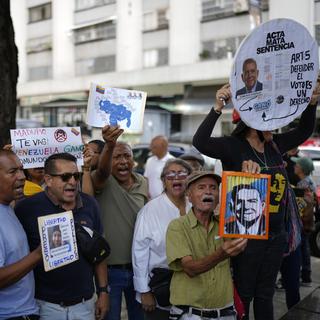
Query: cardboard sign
pixel 274 73
pixel 58 240
pixel 34 145
pixel 116 107
pixel 244 210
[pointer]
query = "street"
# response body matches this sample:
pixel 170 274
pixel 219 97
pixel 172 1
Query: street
pixel 279 298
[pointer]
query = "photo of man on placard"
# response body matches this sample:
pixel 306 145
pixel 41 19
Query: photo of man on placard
pixel 55 239
pixel 247 206
pixel 249 76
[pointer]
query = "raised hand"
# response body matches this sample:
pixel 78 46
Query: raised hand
pixel 223 96
pixel 110 134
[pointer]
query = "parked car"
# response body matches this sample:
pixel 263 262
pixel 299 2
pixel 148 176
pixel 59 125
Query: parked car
pixel 141 152
pixel 313 153
pixel 28 123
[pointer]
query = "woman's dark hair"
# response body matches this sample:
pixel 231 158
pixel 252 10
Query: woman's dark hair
pixel 241 130
pixel 99 144
pixel 26 173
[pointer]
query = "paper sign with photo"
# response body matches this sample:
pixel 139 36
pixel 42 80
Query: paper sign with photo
pixel 58 240
pixel 116 107
pixel 244 210
pixel 274 73
pixel 34 145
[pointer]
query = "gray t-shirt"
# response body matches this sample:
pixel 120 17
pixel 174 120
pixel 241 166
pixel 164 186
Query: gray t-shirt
pixel 119 209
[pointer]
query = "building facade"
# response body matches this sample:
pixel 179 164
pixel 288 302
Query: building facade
pixel 178 51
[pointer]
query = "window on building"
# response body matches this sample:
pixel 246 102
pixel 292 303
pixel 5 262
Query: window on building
pixel 39 44
pixel 155 20
pixel 40 73
pixel 86 4
pixel 105 30
pixel 95 65
pixel 215 9
pixel 220 49
pixel 40 13
pixel 155 57
pixel 162 16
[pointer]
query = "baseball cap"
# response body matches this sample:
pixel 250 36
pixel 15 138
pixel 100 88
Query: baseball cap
pixel 196 175
pixel 306 164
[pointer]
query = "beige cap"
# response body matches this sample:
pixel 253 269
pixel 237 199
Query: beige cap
pixel 195 175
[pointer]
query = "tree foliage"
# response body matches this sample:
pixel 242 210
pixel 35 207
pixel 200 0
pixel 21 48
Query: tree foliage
pixel 8 73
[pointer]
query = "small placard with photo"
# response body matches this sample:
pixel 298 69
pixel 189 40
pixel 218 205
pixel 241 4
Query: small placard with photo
pixel 58 240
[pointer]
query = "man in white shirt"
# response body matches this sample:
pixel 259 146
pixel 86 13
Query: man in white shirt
pixel 248 208
pixel 155 164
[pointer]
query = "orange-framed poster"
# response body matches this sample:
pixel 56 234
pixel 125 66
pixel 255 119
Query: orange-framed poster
pixel 244 210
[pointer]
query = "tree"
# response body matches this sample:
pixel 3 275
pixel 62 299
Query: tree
pixel 8 73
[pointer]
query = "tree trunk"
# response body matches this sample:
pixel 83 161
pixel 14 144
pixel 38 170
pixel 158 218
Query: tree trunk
pixel 8 73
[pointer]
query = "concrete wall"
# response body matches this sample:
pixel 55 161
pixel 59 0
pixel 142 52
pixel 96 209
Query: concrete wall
pixel 156 39
pixel 301 11
pixel 94 14
pixel 184 32
pixel 63 49
pixel 102 48
pixel 129 35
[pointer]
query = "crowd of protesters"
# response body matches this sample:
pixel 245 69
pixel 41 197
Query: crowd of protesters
pixel 167 258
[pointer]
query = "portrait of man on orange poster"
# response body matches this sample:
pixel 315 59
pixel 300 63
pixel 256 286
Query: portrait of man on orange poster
pixel 244 210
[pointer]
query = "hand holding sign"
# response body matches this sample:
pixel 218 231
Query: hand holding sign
pixel 223 96
pixel 87 156
pixel 111 134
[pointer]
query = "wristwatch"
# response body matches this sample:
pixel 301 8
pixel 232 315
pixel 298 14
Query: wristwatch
pixel 106 289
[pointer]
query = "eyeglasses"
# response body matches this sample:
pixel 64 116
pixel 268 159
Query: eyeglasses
pixel 180 175
pixel 65 177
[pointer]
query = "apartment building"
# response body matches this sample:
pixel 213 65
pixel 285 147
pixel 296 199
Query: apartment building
pixel 178 51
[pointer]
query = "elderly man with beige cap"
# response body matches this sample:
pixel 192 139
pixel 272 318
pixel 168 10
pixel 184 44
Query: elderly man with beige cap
pixel 201 285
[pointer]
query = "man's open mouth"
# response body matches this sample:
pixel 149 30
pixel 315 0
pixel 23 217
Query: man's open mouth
pixel 123 171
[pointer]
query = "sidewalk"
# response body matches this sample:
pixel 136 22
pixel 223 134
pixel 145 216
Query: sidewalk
pixel 279 302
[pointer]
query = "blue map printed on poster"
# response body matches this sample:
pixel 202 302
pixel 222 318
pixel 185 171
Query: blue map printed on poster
pixel 117 112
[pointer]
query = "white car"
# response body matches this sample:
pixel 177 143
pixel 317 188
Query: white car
pixel 141 152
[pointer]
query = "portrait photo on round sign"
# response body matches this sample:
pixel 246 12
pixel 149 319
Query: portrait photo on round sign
pixel 274 73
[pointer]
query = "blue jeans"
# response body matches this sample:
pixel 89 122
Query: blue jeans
pixel 255 272
pixel 290 273
pixel 121 281
pixel 81 311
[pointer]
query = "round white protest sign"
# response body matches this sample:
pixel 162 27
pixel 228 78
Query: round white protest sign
pixel 274 73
